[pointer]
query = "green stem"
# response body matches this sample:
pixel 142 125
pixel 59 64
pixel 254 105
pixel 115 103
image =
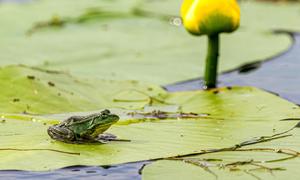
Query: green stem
pixel 211 68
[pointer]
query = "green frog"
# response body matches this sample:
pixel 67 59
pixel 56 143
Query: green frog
pixel 84 129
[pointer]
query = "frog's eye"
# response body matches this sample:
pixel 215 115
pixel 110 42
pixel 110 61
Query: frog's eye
pixel 105 112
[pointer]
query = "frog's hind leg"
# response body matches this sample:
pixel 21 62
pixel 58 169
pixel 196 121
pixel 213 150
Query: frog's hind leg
pixel 61 134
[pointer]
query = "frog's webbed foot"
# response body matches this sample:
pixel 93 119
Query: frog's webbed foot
pixel 107 137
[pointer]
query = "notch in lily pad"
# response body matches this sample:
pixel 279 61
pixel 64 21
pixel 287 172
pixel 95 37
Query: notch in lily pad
pixel 210 17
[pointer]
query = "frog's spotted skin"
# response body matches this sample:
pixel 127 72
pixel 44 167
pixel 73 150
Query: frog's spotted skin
pixel 84 129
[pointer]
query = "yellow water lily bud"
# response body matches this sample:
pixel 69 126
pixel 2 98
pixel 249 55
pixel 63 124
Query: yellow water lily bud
pixel 210 16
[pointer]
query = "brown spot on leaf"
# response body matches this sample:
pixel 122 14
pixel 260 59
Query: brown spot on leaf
pixel 215 91
pixel 16 100
pixel 51 84
pixel 30 77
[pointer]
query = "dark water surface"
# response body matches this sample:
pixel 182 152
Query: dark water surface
pixel 119 172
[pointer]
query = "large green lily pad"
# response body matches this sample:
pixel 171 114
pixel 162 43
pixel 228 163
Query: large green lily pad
pixel 36 91
pixel 234 115
pixel 124 45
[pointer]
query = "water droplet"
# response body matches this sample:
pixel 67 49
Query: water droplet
pixel 176 21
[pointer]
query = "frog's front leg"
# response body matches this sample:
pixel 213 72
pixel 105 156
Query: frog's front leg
pixel 61 133
pixel 107 137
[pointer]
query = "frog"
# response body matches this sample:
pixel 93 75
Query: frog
pixel 85 129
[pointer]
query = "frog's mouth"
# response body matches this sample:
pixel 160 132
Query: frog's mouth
pixel 115 118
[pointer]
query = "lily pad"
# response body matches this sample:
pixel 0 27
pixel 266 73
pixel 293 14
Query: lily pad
pixel 233 115
pixel 125 46
pixel 250 164
pixel 36 91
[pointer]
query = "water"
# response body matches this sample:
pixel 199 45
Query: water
pixel 118 172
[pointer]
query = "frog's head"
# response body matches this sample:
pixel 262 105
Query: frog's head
pixel 104 118
pixel 101 122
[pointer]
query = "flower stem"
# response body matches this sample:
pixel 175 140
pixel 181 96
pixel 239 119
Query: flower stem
pixel 211 68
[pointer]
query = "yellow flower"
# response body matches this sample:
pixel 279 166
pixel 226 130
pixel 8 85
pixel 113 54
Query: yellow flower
pixel 210 16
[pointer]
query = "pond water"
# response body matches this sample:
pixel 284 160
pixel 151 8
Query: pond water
pixel 118 172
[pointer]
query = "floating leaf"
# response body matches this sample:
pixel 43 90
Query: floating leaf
pixel 137 44
pixel 275 159
pixel 37 91
pixel 233 115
